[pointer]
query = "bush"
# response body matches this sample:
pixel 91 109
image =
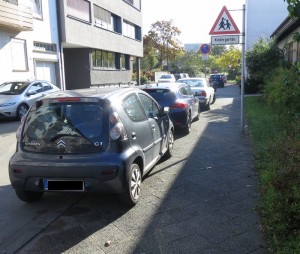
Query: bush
pixel 252 86
pixel 282 90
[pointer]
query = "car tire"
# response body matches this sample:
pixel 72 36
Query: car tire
pixel 198 113
pixel 133 189
pixel 21 111
pixel 214 99
pixel 207 106
pixel 29 196
pixel 187 128
pixel 170 149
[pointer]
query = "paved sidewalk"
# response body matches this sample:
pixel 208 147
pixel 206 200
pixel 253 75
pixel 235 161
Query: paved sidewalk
pixel 202 200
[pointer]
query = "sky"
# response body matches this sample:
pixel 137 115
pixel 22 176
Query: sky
pixel 194 18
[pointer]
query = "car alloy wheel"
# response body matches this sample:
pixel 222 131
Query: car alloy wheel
pixel 22 110
pixel 132 193
pixel 187 128
pixel 136 181
pixel 170 144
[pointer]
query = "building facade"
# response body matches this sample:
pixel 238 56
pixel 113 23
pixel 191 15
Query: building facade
pixel 262 18
pixel 28 41
pixel 99 41
pixel 284 35
pixel 72 43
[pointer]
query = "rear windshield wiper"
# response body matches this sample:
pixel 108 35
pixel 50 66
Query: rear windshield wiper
pixel 63 135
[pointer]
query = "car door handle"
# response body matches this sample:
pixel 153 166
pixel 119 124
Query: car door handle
pixel 133 135
pixel 153 127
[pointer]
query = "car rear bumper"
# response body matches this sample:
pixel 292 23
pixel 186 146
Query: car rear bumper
pixel 104 175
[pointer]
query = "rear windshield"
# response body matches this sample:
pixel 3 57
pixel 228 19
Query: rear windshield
pixel 216 76
pixel 66 128
pixel 164 97
pixel 193 82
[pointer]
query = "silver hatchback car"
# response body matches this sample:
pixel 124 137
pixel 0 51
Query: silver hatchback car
pixel 16 97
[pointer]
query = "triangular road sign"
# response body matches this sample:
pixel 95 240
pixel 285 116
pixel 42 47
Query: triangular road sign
pixel 224 24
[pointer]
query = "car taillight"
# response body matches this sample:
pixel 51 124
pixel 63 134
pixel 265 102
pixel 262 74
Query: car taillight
pixel 179 104
pixel 19 130
pixel 18 133
pixel 203 93
pixel 117 130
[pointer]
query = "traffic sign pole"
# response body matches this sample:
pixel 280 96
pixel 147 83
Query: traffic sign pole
pixel 243 72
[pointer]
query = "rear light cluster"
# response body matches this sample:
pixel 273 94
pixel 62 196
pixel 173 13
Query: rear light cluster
pixel 179 104
pixel 117 130
pixel 19 130
pixel 202 93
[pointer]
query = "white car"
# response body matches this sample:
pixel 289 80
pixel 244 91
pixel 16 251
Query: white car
pixel 202 90
pixel 167 78
pixel 16 97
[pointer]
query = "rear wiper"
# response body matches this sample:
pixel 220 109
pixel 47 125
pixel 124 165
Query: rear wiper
pixel 63 135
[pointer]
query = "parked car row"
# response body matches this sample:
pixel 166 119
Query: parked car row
pixel 104 140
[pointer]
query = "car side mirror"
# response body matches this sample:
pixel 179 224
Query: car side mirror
pixel 31 93
pixel 166 110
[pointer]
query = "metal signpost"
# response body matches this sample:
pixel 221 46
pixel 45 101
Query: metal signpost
pixel 225 26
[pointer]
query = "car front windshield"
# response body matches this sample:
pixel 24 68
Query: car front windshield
pixel 13 88
pixel 65 128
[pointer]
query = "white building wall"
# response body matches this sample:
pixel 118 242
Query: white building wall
pixel 44 30
pixel 262 18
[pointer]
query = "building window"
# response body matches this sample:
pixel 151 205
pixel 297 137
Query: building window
pixel 103 59
pixel 79 9
pixel 132 31
pixel 15 2
pixel 103 18
pixel 134 3
pixel 289 52
pixel 37 8
pixel 124 62
pixel 19 55
pixel 116 22
pixel 44 47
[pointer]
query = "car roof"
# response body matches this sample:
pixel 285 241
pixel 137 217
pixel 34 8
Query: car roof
pixel 170 85
pixel 103 93
pixel 195 78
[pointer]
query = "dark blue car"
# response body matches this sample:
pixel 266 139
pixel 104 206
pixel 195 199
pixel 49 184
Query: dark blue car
pixel 184 106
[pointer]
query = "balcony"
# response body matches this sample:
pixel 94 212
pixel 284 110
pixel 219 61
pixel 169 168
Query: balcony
pixel 15 16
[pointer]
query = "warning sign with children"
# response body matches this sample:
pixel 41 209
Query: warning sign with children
pixel 224 24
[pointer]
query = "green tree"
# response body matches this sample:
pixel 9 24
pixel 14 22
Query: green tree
pixel 162 37
pixel 230 61
pixel 262 59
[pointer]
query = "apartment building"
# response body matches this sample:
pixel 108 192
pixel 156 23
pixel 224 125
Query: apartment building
pixel 100 40
pixel 73 43
pixel 28 41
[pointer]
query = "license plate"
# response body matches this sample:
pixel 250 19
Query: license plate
pixel 63 185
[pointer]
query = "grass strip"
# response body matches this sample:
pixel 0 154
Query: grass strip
pixel 276 148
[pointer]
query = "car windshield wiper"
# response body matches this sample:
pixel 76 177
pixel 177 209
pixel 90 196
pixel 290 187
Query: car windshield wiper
pixel 63 135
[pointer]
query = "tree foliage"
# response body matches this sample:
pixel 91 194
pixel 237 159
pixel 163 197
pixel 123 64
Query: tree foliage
pixel 293 8
pixel 161 42
pixel 230 59
pixel 262 58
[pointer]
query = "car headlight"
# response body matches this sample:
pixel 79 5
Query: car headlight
pixel 7 104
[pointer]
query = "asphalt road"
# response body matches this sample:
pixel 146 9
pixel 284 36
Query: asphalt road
pixel 202 200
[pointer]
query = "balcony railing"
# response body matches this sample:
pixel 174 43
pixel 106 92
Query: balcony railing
pixel 15 16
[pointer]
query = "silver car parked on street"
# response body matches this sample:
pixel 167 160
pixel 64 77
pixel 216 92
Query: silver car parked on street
pixel 16 97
